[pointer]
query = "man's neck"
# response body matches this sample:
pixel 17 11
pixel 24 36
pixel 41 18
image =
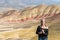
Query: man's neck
pixel 43 25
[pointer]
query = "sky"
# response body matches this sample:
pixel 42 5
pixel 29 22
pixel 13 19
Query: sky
pixel 18 4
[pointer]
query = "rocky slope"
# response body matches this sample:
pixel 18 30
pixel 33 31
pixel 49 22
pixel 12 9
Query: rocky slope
pixel 29 13
pixel 33 12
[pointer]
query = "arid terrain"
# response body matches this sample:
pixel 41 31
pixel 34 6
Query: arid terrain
pixel 22 24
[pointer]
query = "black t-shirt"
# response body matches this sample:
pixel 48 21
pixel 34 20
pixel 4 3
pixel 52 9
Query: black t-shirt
pixel 39 29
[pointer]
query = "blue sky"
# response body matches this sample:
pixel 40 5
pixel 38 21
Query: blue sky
pixel 25 3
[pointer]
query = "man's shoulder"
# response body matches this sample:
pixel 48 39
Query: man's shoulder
pixel 46 27
pixel 38 25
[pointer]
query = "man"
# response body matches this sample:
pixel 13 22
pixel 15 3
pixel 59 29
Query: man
pixel 42 31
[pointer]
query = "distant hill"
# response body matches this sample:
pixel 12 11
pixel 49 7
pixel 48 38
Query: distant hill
pixel 29 14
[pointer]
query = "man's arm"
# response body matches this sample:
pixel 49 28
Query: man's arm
pixel 46 32
pixel 38 31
